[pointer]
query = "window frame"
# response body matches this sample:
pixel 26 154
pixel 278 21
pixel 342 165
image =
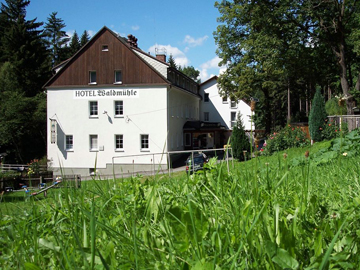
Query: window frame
pixel 233 103
pixel 142 138
pixel 117 71
pixel 92 111
pixel 121 142
pixel 121 115
pixel 225 100
pixel 91 72
pixel 232 122
pixel 105 48
pixel 67 148
pixel 91 146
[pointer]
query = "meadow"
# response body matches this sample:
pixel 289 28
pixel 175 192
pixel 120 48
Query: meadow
pixel 296 209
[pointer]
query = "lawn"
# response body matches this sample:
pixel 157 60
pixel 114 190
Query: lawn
pixel 279 212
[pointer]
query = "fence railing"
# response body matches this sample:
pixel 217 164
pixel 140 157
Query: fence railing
pixel 353 121
pixel 20 167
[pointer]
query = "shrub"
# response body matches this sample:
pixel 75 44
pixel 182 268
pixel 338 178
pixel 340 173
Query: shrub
pixel 332 130
pixel 239 140
pixel 317 116
pixel 286 138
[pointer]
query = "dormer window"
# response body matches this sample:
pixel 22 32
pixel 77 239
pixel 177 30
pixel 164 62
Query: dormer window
pixel 105 48
pixel 118 77
pixel 92 75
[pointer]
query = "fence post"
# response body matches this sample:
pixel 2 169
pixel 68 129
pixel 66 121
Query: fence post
pixel 41 179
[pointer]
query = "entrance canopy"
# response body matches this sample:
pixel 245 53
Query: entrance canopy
pixel 203 135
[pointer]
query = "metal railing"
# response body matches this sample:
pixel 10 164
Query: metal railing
pixel 353 121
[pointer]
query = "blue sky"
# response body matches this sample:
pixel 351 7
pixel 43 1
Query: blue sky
pixel 184 28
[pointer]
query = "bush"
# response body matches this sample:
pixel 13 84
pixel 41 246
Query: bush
pixel 317 116
pixel 332 130
pixel 286 138
pixel 239 140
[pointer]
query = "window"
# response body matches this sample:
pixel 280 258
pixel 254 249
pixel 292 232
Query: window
pixel 233 119
pixel 93 142
pixel 224 99
pixel 144 142
pixel 105 48
pixel 118 77
pixel 119 142
pixel 206 116
pixel 69 142
pixel 92 75
pixel 206 97
pixel 119 108
pixel 233 103
pixel 93 108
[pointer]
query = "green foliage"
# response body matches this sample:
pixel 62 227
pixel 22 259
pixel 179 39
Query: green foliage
pixel 84 38
pixel 332 130
pixel 239 141
pixel 332 107
pixel 56 38
pixel 317 116
pixel 74 45
pixel 171 61
pixel 191 72
pixel 286 138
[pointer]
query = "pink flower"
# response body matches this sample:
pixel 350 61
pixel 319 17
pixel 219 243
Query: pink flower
pixel 264 144
pixel 261 150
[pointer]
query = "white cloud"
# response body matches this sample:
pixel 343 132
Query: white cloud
pixel 70 33
pixel 179 56
pixel 192 42
pixel 91 33
pixel 211 66
pixel 135 27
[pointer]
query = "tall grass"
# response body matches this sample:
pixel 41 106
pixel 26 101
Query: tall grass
pixel 264 214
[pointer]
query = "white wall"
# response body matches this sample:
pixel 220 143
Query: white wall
pixel 220 111
pixel 183 107
pixel 144 113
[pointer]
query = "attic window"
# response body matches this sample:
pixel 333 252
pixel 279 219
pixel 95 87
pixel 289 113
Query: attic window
pixel 105 48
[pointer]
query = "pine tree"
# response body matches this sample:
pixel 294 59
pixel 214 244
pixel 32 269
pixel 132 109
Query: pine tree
pixel 84 38
pixel 23 46
pixel 317 116
pixel 171 61
pixel 239 141
pixel 57 38
pixel 74 44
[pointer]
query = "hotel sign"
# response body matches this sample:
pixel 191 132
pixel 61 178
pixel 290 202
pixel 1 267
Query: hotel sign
pixel 100 94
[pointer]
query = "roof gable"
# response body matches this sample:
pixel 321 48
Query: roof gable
pixel 106 53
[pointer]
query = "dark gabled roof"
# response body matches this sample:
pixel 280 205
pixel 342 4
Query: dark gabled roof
pixel 69 61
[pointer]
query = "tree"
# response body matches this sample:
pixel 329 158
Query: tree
pixel 24 68
pixel 171 61
pixel 74 46
pixel 191 72
pixel 84 38
pixel 23 46
pixel 239 141
pixel 317 116
pixel 57 38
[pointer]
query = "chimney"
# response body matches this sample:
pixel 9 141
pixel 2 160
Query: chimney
pixel 161 57
pixel 132 41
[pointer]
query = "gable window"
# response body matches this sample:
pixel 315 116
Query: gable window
pixel 118 77
pixel 92 76
pixel 233 119
pixel 93 109
pixel 206 97
pixel 206 116
pixel 105 48
pixel 119 108
pixel 93 142
pixel 144 142
pixel 69 143
pixel 224 99
pixel 119 142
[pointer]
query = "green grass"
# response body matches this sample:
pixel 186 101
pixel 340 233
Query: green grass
pixel 267 213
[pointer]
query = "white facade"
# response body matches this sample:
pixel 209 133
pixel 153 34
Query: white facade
pixel 215 108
